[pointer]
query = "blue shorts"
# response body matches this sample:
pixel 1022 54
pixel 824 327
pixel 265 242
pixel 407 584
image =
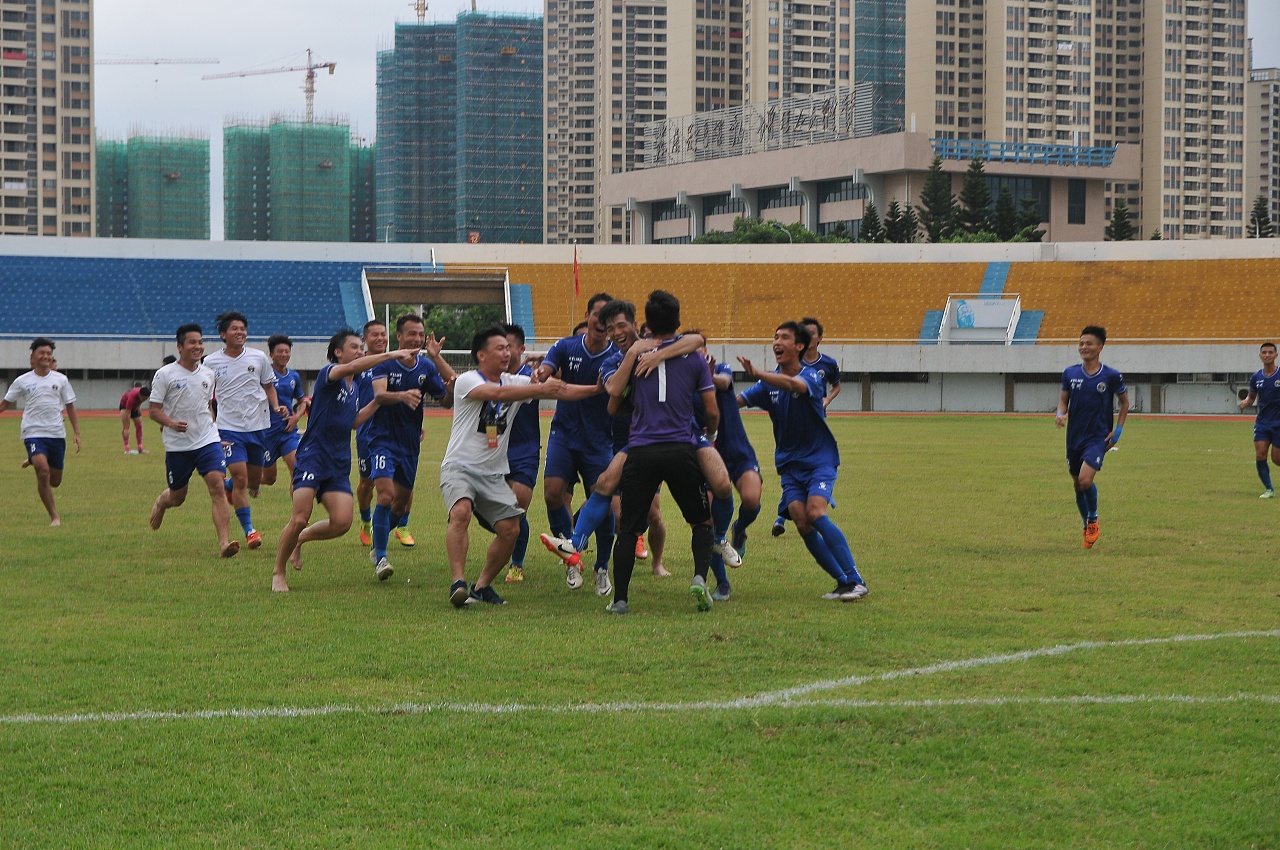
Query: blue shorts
pixel 524 470
pixel 53 448
pixel 798 485
pixel 740 465
pixel 1266 432
pixel 1091 453
pixel 386 464
pixel 245 446
pixel 178 466
pixel 322 482
pixel 278 443
pixel 568 462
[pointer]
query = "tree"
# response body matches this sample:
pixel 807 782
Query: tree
pixel 1004 221
pixel 1260 226
pixel 1155 235
pixel 871 231
pixel 910 224
pixel 755 231
pixel 1029 222
pixel 937 205
pixel 899 225
pixel 1121 228
pixel 975 200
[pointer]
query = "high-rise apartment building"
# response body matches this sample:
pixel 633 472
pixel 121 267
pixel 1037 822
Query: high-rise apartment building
pixel 1262 141
pixel 46 118
pixel 460 131
pixel 153 187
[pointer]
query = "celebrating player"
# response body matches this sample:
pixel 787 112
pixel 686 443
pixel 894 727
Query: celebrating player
pixel 1264 388
pixel 281 439
pixel 375 342
pixel 523 451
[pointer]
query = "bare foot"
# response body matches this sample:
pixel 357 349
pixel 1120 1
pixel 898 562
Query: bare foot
pixel 57 521
pixel 659 570
pixel 25 464
pixel 230 550
pixel 278 584
pixel 157 515
pixel 296 558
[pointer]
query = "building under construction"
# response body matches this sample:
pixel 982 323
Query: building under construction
pixel 290 181
pixel 460 131
pixel 154 187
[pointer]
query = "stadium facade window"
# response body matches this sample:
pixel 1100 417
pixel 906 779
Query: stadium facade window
pixel 1036 188
pixel 1075 202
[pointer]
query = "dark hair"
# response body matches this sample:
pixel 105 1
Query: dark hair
pixel 598 297
pixel 225 320
pixel 278 339
pixel 406 319
pixel 42 342
pixel 799 332
pixel 144 392
pixel 578 328
pixel 1267 345
pixel 810 320
pixel 482 337
pixel 512 329
pixel 190 328
pixel 371 323
pixel 616 306
pixel 662 312
pixel 168 358
pixel 337 341
pixel 1096 330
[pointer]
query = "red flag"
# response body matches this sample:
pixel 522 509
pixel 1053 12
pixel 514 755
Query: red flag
pixel 577 289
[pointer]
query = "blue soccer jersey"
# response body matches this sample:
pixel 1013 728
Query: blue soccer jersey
pixel 397 428
pixel 1267 390
pixel 586 423
pixel 621 422
pixel 828 368
pixel 325 450
pixel 1090 403
pixel 364 386
pixel 526 433
pixel 732 443
pixel 799 423
pixel 289 393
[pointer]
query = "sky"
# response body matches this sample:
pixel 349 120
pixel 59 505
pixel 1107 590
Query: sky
pixel 246 35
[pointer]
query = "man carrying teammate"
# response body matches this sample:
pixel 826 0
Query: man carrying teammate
pixel 375 342
pixel 282 437
pixel 246 396
pixel 523 451
pixel 826 366
pixel 181 403
pixel 131 408
pixel 1264 388
pixel 44 392
pixel 1085 407
pixel 806 454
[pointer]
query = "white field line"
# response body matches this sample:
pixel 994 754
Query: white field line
pixel 795 697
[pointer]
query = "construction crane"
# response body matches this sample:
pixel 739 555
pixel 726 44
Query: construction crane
pixel 142 60
pixel 420 9
pixel 309 87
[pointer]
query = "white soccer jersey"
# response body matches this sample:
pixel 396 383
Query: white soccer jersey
pixel 185 397
pixel 242 402
pixel 43 400
pixel 469 441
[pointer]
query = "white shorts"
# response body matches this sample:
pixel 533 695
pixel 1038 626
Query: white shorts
pixel 491 498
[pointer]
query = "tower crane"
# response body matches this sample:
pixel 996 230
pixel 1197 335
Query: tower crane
pixel 309 87
pixel 150 60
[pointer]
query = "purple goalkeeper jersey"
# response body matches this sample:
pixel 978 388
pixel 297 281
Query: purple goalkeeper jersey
pixel 664 400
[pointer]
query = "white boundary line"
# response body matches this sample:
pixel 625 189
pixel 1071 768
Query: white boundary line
pixel 786 698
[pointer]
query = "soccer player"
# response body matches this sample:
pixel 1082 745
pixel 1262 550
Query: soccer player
pixel 1085 407
pixel 131 408
pixel 524 450
pixel 395 438
pixel 662 448
pixel 375 342
pixel 475 462
pixel 1264 388
pixel 181 403
pixel 806 454
pixel 44 393
pixel 281 439
pixel 323 470
pixel 580 441
pixel 246 396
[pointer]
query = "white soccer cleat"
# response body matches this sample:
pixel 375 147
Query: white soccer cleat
pixel 573 576
pixel 727 553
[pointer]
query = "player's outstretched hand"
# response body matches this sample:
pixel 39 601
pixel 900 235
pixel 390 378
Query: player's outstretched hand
pixel 749 368
pixel 646 361
pixel 434 346
pixel 552 387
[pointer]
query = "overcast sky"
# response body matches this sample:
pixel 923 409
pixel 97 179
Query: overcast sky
pixel 276 34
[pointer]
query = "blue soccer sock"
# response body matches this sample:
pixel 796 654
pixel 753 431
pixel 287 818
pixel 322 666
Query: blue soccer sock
pixel 746 516
pixel 403 521
pixel 717 567
pixel 228 484
pixel 561 521
pixel 366 514
pixel 246 522
pixel 1091 499
pixel 822 554
pixel 721 516
pixel 590 518
pixel 522 543
pixel 604 542
pixel 1264 474
pixel 381 530
pixel 839 546
pixel 1082 505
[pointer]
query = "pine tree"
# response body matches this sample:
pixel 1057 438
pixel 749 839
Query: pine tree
pixel 1260 226
pixel 871 230
pixel 1155 235
pixel 1004 221
pixel 937 204
pixel 893 230
pixel 1121 228
pixel 1029 221
pixel 975 200
pixel 910 224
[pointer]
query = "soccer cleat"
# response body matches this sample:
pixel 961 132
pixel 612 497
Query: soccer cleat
pixel 126 451
pixel 383 569
pixel 698 590
pixel 459 593
pixel 1269 494
pixel 642 551
pixel 730 555
pixel 143 451
pixel 486 595
pixel 738 538
pixel 253 539
pixel 405 538
pixel 854 593
pixel 721 593
pixel 1090 534
pixel 618 606
pixel 779 527
pixel 366 534
pixel 840 590
pixel 603 587
pixel 562 548
pixel 514 574
pixel 573 576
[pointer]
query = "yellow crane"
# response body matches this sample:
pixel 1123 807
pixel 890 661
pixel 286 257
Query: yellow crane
pixel 309 87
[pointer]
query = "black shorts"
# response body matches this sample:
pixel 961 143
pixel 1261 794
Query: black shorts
pixel 134 412
pixel 647 468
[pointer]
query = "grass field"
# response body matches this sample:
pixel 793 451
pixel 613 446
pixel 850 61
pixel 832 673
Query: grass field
pixel 1001 687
